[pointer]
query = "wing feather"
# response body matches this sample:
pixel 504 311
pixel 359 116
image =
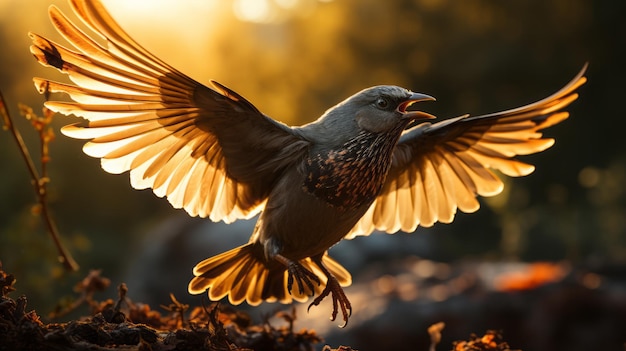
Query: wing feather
pixel 448 164
pixel 208 150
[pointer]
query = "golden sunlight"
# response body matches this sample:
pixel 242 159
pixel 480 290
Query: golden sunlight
pixel 259 11
pixel 272 11
pixel 193 17
pixel 179 31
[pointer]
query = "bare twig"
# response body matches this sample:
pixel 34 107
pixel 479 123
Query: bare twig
pixel 177 307
pixel 6 282
pixel 39 182
pixel 87 287
pixel 435 335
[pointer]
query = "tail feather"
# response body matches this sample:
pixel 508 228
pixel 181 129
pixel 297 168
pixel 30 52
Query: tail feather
pixel 242 274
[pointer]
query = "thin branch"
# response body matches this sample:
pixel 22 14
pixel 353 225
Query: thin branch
pixel 177 307
pixel 435 335
pixel 39 183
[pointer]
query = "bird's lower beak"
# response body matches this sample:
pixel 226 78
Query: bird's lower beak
pixel 415 97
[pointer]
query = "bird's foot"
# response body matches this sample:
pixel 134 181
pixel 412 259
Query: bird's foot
pixel 301 275
pixel 339 300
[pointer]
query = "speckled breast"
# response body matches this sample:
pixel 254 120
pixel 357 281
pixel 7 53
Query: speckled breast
pixel 353 174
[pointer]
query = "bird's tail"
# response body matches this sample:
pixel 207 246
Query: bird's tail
pixel 244 275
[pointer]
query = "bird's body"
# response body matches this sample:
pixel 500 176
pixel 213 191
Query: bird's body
pixel 319 197
pixel 325 194
pixel 367 163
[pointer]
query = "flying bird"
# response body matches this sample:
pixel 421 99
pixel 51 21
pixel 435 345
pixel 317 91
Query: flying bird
pixel 371 162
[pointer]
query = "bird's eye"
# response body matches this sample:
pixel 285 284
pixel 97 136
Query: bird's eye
pixel 382 103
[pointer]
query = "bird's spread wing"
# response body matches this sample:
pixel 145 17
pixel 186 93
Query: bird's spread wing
pixel 440 167
pixel 209 151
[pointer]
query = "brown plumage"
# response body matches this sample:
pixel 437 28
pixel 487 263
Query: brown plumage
pixel 356 169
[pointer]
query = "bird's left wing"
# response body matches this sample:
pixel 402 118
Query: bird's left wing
pixel 437 168
pixel 209 151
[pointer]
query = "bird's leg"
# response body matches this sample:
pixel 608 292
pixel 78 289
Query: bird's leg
pixel 302 275
pixel 339 296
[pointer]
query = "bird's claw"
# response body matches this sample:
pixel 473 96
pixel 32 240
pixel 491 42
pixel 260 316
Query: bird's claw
pixel 339 299
pixel 302 277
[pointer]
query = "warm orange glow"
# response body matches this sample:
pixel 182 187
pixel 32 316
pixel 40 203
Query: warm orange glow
pixel 531 277
pixel 488 340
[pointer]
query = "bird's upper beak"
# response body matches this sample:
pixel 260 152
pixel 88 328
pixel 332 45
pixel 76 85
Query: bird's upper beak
pixel 415 97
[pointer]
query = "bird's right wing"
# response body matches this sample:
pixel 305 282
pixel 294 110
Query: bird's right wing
pixel 209 151
pixel 440 167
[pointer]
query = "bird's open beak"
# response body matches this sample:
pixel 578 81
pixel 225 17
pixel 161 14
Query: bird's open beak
pixel 415 97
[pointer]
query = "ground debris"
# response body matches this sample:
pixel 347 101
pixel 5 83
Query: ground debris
pixel 491 341
pixel 6 282
pixel 340 348
pixel 126 325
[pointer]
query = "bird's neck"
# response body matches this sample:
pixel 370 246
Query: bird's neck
pixel 353 174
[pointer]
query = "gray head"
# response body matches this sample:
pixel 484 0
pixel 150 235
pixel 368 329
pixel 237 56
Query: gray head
pixel 376 109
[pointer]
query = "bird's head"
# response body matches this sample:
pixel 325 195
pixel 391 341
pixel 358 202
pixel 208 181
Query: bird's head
pixel 378 109
pixel 382 108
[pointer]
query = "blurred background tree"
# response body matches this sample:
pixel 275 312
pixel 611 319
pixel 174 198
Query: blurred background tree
pixel 295 58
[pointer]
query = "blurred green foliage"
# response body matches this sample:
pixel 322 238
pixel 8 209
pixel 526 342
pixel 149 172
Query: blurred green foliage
pixel 475 56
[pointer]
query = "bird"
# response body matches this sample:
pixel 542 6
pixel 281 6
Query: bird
pixel 370 163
